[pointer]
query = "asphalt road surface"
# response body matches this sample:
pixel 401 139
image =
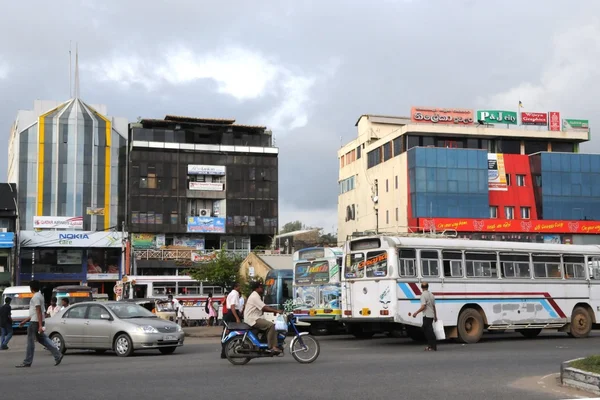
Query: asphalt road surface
pixel 502 366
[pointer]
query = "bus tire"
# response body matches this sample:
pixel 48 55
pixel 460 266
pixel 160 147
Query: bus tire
pixel 581 323
pixel 359 333
pixel 415 333
pixel 530 333
pixel 470 326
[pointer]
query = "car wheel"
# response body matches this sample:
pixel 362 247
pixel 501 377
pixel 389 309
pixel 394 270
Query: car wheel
pixel 123 345
pixel 167 350
pixel 58 342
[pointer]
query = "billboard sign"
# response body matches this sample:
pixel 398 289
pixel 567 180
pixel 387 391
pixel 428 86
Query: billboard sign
pixel 206 224
pixel 206 170
pixel 58 222
pixel 569 124
pixel 208 186
pixel 497 117
pixel 510 225
pixel 7 240
pixel 554 121
pixel 496 173
pixel 70 239
pixel 95 211
pixel 534 118
pixel 143 241
pixel 444 116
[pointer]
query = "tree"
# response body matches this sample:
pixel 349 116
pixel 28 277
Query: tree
pixel 328 238
pixel 291 227
pixel 223 270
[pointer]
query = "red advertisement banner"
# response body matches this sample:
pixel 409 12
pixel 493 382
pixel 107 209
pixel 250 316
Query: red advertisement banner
pixel 509 225
pixel 534 118
pixel 554 121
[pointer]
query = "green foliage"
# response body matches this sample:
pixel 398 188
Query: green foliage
pixel 291 227
pixel 246 286
pixel 590 364
pixel 222 271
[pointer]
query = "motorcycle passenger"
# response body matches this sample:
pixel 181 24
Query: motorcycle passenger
pixel 253 316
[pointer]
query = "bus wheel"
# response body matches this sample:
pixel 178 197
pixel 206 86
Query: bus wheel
pixel 415 333
pixel 470 326
pixel 358 333
pixel 581 323
pixel 530 333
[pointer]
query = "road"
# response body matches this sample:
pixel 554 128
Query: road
pixel 381 368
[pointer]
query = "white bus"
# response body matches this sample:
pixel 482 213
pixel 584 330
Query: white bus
pixel 189 292
pixel 317 288
pixel 21 296
pixel 478 286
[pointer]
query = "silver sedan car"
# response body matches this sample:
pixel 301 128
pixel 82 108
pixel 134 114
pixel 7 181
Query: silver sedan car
pixel 112 325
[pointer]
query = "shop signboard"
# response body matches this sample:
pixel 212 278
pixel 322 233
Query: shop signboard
pixel 7 240
pixel 95 211
pixel 497 117
pixel 496 172
pixel 443 116
pixel 70 239
pixel 41 222
pixel 554 121
pixel 534 118
pixel 143 241
pixel 206 224
pixel 206 170
pixel 191 242
pixel 208 186
pixel 570 124
pixel 491 225
pixel 103 277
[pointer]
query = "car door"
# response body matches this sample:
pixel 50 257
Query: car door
pixel 72 326
pixel 97 330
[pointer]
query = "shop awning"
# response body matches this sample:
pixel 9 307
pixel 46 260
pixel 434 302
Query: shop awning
pixel 7 240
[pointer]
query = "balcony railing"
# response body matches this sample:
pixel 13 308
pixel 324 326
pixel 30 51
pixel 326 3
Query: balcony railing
pixel 183 255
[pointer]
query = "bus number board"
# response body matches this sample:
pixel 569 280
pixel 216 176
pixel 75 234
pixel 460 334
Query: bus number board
pixel 311 254
pixel 365 244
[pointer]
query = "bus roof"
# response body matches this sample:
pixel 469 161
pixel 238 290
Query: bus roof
pixel 17 289
pixel 71 287
pixel 325 252
pixel 474 245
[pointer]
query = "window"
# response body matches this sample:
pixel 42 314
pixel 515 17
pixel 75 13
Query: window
pixel 387 186
pixel 525 212
pixel 509 212
pixel 396 181
pixel 342 161
pixel 493 211
pixel 398 148
pixel 452 264
pixel 429 263
pixel 355 265
pixel 515 265
pixel 95 312
pixel 151 178
pixel 406 262
pixel 387 151
pixel 480 265
pixel 77 312
pixel 574 267
pixel 396 214
pixel 347 185
pixel 508 182
pixel 374 157
pixel 376 263
pixel 358 150
pixel 387 217
pixel 546 266
pixel 143 183
pixel 520 180
pixel 174 218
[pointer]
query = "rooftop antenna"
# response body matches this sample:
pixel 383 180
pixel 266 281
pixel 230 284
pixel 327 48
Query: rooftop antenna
pixel 70 71
pixel 76 70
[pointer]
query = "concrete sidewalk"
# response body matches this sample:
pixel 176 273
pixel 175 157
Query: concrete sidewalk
pixel 203 331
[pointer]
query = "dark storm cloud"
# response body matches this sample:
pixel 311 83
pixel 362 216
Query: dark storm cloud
pixel 319 65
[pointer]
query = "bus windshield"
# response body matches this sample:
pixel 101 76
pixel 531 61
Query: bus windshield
pixel 311 273
pixel 20 301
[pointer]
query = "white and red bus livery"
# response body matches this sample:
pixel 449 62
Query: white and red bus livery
pixel 478 286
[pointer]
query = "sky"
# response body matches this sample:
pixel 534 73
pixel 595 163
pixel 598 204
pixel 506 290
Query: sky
pixel 306 69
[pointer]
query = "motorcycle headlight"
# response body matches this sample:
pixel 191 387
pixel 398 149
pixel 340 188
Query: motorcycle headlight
pixel 146 329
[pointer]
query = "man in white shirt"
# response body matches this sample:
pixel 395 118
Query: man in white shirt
pixel 35 330
pixel 253 316
pixel 178 309
pixel 54 308
pixel 234 311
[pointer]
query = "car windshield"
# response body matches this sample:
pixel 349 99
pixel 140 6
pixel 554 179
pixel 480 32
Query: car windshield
pixel 127 311
pixel 20 301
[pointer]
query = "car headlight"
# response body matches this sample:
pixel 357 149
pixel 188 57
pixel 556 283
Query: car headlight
pixel 178 328
pixel 146 329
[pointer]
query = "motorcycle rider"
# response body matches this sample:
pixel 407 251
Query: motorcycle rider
pixel 253 316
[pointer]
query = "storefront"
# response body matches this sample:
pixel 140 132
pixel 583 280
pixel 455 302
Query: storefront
pixel 72 257
pixel 7 240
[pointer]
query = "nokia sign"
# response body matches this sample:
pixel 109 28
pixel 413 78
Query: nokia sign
pixel 71 236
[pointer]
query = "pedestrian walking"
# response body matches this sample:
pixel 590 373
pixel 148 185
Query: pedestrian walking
pixel 6 329
pixel 429 316
pixel 35 330
pixel 234 310
pixel 212 312
pixel 53 309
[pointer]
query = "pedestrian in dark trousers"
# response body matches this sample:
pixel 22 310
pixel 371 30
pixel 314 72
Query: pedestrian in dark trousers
pixel 429 316
pixel 234 312
pixel 35 330
pixel 6 329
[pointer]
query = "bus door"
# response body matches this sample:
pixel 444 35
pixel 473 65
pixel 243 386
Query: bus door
pixel 365 274
pixel 594 284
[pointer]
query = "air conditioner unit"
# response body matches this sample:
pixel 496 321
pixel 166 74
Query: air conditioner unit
pixel 204 213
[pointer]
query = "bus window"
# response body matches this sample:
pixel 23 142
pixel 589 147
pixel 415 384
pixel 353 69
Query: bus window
pixel 546 266
pixel 407 258
pixel 287 291
pixel 481 265
pixel 594 267
pixel 355 266
pixel 515 265
pixel 452 264
pixel 429 263
pixel 377 263
pixel 574 267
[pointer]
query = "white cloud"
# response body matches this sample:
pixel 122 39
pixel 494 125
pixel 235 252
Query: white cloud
pixel 239 73
pixel 321 218
pixel 3 70
pixel 571 71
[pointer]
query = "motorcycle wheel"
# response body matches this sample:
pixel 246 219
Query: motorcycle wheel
pixel 231 350
pixel 307 353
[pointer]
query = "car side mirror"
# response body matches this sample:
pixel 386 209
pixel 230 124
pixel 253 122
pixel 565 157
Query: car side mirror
pixel 105 316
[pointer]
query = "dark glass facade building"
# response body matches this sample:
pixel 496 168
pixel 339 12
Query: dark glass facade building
pixel 211 180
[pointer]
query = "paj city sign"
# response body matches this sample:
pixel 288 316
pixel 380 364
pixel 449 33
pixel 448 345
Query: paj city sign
pixel 497 117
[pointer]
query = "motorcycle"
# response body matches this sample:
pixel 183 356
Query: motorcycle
pixel 243 343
